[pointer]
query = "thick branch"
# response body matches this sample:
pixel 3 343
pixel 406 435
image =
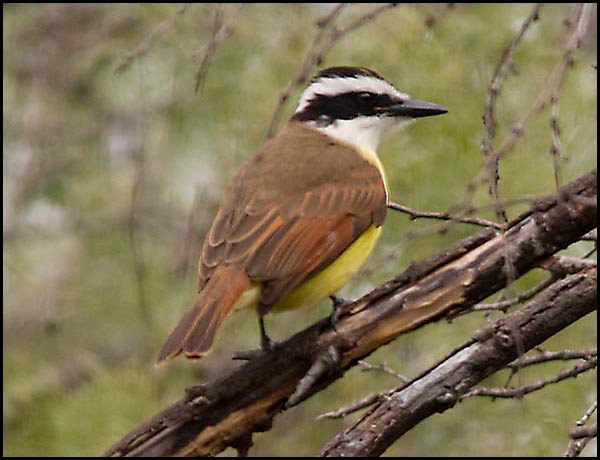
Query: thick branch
pixel 490 349
pixel 227 410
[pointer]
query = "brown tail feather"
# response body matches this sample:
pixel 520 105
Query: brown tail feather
pixel 196 331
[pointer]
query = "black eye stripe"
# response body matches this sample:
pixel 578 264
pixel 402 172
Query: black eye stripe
pixel 344 106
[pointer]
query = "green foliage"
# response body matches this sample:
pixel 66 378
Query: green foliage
pixel 102 170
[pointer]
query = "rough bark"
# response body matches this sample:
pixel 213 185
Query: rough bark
pixel 226 411
pixel 490 349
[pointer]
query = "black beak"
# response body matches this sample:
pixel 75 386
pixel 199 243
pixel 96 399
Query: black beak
pixel 412 108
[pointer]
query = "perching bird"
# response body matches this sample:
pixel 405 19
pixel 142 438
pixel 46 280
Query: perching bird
pixel 303 214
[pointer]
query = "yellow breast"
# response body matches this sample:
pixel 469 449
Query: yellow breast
pixel 334 276
pixel 373 158
pixel 327 282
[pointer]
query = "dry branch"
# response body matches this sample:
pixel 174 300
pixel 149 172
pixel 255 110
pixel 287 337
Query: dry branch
pixel 226 411
pixel 518 392
pixel 577 23
pixel 490 349
pixel 489 116
pixel 545 356
pixel 414 214
pixel 577 443
pixel 219 33
pixel 149 41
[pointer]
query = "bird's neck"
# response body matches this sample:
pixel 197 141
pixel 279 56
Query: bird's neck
pixel 362 133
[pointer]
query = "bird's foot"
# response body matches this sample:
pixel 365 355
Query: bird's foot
pixel 247 355
pixel 266 345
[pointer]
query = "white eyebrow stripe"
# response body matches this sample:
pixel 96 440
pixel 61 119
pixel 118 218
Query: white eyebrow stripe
pixel 333 86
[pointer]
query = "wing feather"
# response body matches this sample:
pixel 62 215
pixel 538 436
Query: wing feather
pixel 285 241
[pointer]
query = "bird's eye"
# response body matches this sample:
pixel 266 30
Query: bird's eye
pixel 365 96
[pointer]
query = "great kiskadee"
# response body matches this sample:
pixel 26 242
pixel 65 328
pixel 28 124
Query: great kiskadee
pixel 303 214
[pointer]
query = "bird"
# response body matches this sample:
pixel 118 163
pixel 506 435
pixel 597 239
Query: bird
pixel 301 216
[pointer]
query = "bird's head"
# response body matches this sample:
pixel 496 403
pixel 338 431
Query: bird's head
pixel 357 105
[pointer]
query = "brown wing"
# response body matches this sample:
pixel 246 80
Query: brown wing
pixel 284 243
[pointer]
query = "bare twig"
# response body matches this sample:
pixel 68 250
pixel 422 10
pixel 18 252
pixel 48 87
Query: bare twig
pixel 576 446
pixel 139 266
pixel 588 413
pixel 563 265
pixel 330 17
pixel 367 401
pixel 414 214
pixel 581 435
pixel 489 115
pixel 366 366
pixel 440 387
pixel 578 26
pixel 336 34
pixel 406 239
pixel 147 43
pixel 219 33
pixel 556 149
pixel 512 392
pixel 545 356
pixel 578 21
pixel 139 157
pixel 433 18
pixel 307 66
pixel 558 265
pixel 584 432
pixel 505 304
pixel 554 80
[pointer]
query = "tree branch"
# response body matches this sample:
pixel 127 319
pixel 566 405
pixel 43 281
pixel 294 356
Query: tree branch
pixel 489 116
pixel 490 349
pixel 414 214
pixel 518 392
pixel 149 41
pixel 219 33
pixel 229 409
pixel 581 434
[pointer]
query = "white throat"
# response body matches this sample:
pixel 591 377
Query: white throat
pixel 360 132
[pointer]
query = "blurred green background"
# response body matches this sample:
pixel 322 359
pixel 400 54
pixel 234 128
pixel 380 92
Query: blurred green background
pixel 111 179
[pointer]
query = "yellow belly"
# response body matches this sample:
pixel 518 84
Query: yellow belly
pixel 327 282
pixel 333 277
